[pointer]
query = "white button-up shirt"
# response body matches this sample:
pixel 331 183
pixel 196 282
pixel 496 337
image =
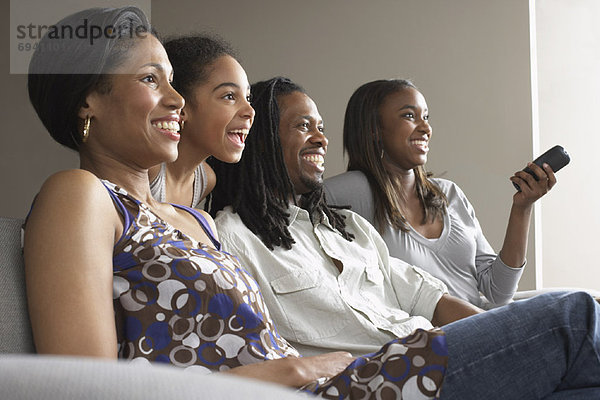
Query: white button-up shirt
pixel 374 299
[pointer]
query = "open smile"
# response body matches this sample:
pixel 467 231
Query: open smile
pixel 169 128
pixel 317 160
pixel 238 136
pixel 421 144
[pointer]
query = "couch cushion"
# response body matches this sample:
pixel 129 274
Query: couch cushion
pixel 68 378
pixel 15 329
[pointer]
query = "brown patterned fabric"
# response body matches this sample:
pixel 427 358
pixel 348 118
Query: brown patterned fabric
pixel 410 368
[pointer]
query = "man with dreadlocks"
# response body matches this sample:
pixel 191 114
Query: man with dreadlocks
pixel 325 273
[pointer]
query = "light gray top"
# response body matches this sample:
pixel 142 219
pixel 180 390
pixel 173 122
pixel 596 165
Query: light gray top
pixel 376 298
pixel 159 184
pixel 461 256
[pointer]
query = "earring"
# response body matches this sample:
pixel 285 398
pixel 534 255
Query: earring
pixel 86 129
pixel 382 154
pixel 181 124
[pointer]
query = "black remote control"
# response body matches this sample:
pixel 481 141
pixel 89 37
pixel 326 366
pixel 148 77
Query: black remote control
pixel 556 158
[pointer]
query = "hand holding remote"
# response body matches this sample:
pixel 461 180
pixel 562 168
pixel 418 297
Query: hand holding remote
pixel 556 158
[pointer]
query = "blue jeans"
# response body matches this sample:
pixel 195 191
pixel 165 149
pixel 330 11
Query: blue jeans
pixel 547 347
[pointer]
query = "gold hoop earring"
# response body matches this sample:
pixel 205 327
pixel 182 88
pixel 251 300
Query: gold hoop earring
pixel 86 129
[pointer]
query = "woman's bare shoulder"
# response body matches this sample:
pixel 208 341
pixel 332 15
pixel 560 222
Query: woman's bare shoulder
pixel 72 181
pixel 73 192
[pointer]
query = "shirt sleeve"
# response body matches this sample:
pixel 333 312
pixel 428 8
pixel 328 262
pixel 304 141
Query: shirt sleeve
pixel 495 280
pixel 417 291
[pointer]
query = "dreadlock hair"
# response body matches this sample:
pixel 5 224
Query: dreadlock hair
pixel 363 144
pixel 192 57
pixel 259 188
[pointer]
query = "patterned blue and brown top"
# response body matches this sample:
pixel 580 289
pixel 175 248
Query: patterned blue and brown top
pixel 183 302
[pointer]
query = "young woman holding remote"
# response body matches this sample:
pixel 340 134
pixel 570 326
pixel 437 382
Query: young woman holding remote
pixel 425 221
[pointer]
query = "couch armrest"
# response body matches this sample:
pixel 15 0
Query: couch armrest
pixel 29 376
pixel 15 328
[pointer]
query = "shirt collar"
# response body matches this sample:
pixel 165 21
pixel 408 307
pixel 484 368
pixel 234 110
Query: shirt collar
pixel 297 213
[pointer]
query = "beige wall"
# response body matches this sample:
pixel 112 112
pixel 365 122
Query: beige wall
pixel 471 59
pixel 568 44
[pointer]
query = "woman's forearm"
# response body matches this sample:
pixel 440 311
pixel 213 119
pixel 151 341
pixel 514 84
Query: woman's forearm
pixel 515 242
pixel 296 371
pixel 514 247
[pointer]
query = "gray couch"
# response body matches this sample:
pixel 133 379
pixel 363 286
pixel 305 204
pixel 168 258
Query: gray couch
pixel 26 375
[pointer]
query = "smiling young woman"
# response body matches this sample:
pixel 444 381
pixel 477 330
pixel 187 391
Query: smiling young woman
pixel 117 108
pixel 217 117
pixel 426 221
